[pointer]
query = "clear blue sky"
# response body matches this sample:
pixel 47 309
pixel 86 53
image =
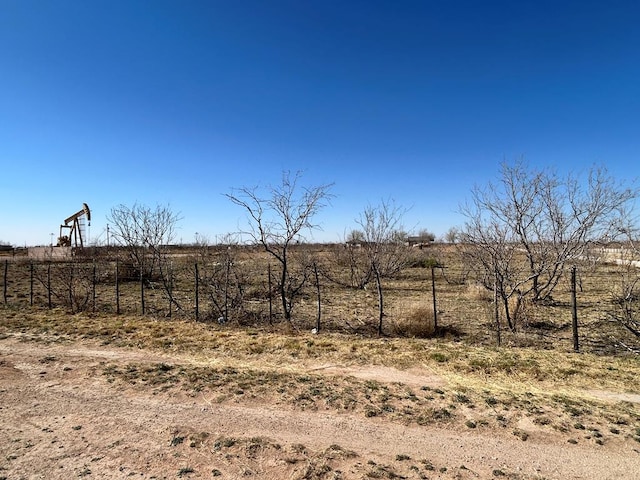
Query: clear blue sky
pixel 176 102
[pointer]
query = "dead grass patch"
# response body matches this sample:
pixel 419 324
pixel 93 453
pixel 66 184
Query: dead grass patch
pixel 415 320
pixel 485 386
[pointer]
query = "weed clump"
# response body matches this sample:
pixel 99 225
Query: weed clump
pixel 416 321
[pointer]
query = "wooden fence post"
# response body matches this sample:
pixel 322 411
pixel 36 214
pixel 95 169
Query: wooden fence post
pixel 315 272
pixel 227 275
pixel 71 286
pixel 496 311
pixel 170 288
pixel 93 286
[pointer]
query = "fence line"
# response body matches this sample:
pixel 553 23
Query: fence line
pixel 189 291
pixel 101 285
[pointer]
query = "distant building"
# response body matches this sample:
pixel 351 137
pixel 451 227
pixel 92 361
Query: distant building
pixel 420 241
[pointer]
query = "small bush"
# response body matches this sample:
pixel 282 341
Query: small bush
pixel 415 321
pixel 423 262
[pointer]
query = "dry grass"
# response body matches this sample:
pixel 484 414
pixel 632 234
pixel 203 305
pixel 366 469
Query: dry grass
pixel 478 293
pixel 465 309
pixel 535 358
pixel 414 320
pixel 447 357
pixel 533 377
pixel 485 387
pixel 297 460
pixel 472 404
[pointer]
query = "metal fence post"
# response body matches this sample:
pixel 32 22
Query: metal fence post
pixel 574 311
pixel 197 292
pixel 433 291
pixel 49 285
pixel 31 284
pixel 6 271
pixel 117 288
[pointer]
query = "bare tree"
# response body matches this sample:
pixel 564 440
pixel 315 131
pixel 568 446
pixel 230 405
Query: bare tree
pixel 70 283
pixel 491 248
pixel 552 221
pixel 425 236
pixel 222 277
pixel 384 245
pixel 277 219
pixel 146 233
pixel 626 299
pixel 452 235
pixel 351 266
pixel 626 293
pixel 355 237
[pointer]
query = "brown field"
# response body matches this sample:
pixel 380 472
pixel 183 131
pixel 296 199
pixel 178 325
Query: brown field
pixel 464 308
pixel 92 394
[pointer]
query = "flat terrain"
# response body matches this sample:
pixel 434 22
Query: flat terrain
pixel 114 398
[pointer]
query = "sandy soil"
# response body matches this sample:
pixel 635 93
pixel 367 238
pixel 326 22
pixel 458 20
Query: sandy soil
pixel 61 418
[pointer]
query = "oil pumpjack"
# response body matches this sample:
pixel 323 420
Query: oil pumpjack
pixel 75 228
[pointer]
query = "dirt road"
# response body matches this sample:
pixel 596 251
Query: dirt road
pixel 61 418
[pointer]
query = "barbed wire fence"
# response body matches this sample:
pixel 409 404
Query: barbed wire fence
pixel 210 291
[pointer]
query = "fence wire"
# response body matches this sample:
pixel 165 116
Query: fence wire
pixel 224 289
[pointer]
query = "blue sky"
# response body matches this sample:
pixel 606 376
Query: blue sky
pixel 177 102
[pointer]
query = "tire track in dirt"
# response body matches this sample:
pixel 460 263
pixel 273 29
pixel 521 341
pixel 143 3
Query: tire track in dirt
pixel 59 420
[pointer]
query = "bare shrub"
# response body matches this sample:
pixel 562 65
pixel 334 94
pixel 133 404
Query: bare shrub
pixel 384 246
pixel 276 220
pixel 523 231
pixel 70 283
pixel 146 234
pixel 352 268
pixel 625 300
pixel 223 279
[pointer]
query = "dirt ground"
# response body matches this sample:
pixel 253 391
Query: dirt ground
pixel 61 418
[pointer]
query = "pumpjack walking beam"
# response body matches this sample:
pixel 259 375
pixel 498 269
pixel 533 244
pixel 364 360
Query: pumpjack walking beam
pixel 74 226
